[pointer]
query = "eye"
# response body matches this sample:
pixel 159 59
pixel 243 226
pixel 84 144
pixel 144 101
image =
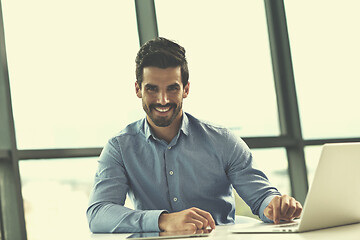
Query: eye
pixel 173 88
pixel 151 88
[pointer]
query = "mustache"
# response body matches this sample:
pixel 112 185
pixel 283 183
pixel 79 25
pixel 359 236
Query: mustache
pixel 172 105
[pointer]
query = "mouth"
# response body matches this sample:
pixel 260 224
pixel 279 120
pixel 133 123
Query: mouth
pixel 163 109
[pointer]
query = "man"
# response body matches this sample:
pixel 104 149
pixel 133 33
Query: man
pixel 178 171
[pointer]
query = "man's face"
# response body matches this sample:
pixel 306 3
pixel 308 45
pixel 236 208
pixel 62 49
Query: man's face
pixel 162 93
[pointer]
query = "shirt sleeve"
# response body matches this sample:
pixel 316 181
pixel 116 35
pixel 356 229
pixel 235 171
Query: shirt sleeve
pixel 106 212
pixel 250 183
pixel 264 204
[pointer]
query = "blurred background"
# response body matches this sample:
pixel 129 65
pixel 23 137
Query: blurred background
pixel 72 72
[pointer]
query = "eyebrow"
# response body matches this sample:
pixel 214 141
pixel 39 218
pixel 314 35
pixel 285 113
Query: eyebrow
pixel 150 85
pixel 171 85
pixel 174 85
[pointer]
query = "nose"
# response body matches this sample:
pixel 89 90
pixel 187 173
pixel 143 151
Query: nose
pixel 163 98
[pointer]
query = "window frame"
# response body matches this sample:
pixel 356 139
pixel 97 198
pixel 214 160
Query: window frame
pixel 12 226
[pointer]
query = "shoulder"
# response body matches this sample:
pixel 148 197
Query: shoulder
pixel 217 132
pixel 132 131
pixel 209 127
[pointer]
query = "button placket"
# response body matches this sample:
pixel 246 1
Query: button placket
pixel 171 177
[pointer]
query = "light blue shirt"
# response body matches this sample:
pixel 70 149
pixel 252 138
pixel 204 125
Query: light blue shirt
pixel 199 168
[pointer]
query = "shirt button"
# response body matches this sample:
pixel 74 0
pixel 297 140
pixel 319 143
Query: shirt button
pixel 169 148
pixel 171 172
pixel 175 199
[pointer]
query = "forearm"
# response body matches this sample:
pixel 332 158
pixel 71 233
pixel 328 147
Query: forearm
pixel 256 191
pixel 111 218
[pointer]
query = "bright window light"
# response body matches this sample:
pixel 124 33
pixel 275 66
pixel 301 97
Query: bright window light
pixel 72 70
pixel 326 56
pixel 231 79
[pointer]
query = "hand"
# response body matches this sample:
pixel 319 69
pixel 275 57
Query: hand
pixel 190 219
pixel 283 208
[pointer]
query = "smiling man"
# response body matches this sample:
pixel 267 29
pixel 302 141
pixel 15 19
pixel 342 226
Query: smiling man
pixel 178 171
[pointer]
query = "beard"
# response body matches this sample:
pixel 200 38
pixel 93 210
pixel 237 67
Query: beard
pixel 162 121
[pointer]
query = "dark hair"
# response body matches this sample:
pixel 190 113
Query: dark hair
pixel 162 53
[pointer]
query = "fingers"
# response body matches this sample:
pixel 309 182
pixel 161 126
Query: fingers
pixel 276 207
pixel 291 208
pixel 285 202
pixel 283 208
pixel 204 217
pixel 298 210
pixel 192 227
pixel 198 221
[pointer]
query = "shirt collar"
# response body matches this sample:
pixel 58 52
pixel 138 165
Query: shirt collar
pixel 185 124
pixel 184 127
pixel 147 129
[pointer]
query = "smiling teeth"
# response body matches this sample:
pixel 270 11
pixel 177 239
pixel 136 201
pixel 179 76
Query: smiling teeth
pixel 162 109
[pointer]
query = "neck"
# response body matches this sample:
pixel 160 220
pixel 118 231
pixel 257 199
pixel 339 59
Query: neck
pixel 166 133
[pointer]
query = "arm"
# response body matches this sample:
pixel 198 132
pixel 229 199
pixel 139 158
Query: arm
pixel 253 186
pixel 250 183
pixel 106 211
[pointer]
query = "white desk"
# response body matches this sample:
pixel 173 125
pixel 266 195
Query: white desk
pixel 349 232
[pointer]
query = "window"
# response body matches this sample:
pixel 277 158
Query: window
pixel 72 70
pixel 56 194
pixel 272 161
pixel 231 79
pixel 326 55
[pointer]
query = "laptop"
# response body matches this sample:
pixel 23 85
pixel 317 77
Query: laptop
pixel 333 196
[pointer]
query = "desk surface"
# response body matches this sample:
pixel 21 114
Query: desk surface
pixel 348 232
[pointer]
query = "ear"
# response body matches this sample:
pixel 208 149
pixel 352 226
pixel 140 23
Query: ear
pixel 138 90
pixel 186 90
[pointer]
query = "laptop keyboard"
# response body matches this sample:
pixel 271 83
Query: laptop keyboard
pixel 291 224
